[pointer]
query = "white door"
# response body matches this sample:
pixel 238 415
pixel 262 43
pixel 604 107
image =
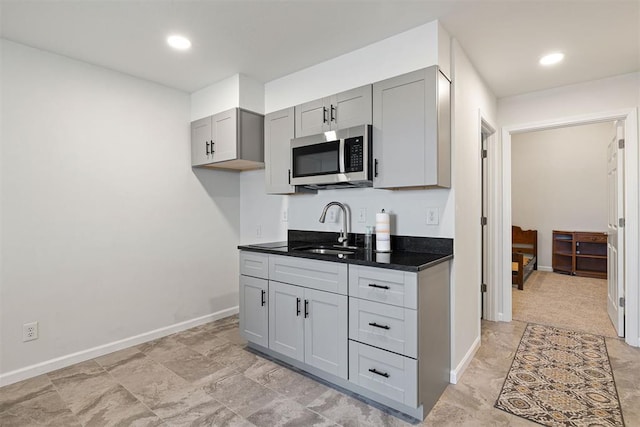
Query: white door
pixel 615 239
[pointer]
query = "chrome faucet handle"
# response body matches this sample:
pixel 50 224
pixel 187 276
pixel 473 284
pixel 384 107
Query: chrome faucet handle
pixel 342 239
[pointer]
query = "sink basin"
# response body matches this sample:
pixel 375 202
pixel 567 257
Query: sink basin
pixel 324 250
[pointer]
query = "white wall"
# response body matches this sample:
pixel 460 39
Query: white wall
pixel 220 96
pixel 559 182
pixel 614 93
pixel 107 231
pixel 408 51
pixel 402 53
pixel 472 98
pixel 619 93
pixel 398 54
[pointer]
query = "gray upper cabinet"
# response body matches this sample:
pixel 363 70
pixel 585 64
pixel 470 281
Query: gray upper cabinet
pixel 411 130
pixel 279 129
pixel 232 139
pixel 343 110
pixel 201 142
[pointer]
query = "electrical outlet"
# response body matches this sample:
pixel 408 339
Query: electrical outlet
pixel 259 231
pixel 285 215
pixel 433 216
pixel 30 331
pixel 362 215
pixel 332 215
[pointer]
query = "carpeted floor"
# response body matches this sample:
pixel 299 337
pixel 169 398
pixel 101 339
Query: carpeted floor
pixel 578 303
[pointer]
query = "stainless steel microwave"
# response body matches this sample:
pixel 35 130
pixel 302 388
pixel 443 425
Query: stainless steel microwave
pixel 334 159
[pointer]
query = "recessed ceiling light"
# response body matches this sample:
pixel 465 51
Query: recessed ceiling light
pixel 179 42
pixel 552 58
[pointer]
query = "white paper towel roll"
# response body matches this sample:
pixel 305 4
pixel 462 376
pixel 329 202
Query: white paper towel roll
pixel 383 232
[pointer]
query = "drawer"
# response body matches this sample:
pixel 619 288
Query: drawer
pixel 254 264
pixel 388 327
pixel 321 275
pixel 385 373
pixel 383 285
pixel 591 237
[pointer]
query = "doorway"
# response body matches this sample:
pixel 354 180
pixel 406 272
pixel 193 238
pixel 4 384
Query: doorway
pixel 500 303
pixel 559 199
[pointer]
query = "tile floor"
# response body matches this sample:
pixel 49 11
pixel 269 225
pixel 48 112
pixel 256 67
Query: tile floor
pixel 205 377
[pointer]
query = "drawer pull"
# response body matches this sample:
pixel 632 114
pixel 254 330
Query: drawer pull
pixel 379 326
pixel 373 285
pixel 382 374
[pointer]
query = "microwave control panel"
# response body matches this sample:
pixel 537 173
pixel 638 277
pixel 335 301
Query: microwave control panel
pixel 354 154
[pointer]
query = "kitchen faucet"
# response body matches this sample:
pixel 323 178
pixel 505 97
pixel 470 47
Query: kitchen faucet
pixel 346 219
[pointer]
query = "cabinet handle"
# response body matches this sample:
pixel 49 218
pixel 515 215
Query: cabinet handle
pixel 289 176
pixel 212 150
pixel 373 285
pixel 375 167
pixel 306 308
pixel 263 300
pixel 379 326
pixel 297 306
pixel 207 148
pixel 382 374
pixel 333 117
pixel 324 114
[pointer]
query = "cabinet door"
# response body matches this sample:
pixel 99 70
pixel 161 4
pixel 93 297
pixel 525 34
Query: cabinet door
pixel 351 108
pixel 201 142
pixel 225 135
pixel 325 332
pixel 254 310
pixel 405 119
pixel 279 129
pixel 286 311
pixel 312 117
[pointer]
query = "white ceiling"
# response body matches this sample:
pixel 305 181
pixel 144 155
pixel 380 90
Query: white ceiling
pixel 269 39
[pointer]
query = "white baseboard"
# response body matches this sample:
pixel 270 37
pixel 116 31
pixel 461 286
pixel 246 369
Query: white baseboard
pixel 464 363
pixel 545 268
pixel 91 353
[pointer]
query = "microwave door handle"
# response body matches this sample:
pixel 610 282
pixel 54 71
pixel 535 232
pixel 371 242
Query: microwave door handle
pixel 341 156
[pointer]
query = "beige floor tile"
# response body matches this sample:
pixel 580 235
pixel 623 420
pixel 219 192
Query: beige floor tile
pixel 46 409
pixel 24 391
pixel 288 413
pixel 348 411
pixel 242 395
pixel 206 377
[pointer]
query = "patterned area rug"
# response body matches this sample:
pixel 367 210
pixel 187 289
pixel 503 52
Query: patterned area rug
pixel 561 377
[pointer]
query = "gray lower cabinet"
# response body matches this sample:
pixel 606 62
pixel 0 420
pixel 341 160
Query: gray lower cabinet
pixel 309 326
pixel 411 130
pixel 279 129
pixel 254 310
pixel 232 139
pixel 381 333
pixel 339 111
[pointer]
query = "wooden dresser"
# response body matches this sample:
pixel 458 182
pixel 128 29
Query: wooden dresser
pixel 580 253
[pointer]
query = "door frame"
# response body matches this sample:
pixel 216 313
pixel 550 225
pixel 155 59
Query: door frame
pixel 493 264
pixel 501 195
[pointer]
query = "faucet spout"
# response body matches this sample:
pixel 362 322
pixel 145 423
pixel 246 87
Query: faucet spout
pixel 346 220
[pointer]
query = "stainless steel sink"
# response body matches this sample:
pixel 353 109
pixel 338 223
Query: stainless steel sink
pixel 324 250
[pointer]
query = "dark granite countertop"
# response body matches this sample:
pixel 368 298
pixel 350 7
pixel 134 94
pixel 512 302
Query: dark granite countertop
pixel 408 253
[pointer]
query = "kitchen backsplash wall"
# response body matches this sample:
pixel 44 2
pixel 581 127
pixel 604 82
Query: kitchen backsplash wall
pixel 267 217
